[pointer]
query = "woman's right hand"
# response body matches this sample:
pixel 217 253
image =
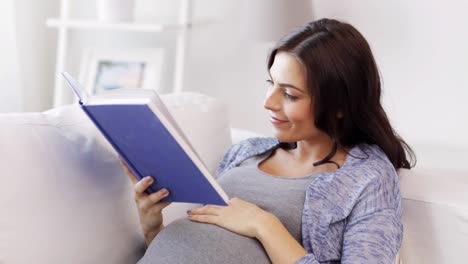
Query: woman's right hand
pixel 149 206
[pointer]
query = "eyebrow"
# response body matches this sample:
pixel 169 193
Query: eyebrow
pixel 288 85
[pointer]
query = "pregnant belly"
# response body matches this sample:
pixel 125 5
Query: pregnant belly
pixel 184 241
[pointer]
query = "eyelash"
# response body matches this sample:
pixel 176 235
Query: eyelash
pixel 285 94
pixel 290 97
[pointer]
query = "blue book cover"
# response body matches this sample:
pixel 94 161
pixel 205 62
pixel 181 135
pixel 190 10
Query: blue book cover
pixel 147 138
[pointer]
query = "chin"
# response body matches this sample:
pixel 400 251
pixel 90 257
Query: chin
pixel 284 137
pixel 295 135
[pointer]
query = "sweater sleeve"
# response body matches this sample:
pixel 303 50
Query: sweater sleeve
pixel 372 229
pixel 228 160
pixel 373 238
pixel 242 150
pixel 307 259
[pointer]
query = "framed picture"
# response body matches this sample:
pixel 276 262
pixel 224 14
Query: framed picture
pixel 105 70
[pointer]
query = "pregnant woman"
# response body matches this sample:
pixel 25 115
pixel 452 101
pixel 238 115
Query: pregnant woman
pixel 324 189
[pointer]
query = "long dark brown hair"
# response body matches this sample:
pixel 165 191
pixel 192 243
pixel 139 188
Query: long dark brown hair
pixel 343 79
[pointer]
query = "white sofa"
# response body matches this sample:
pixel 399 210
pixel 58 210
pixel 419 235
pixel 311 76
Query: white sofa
pixel 64 197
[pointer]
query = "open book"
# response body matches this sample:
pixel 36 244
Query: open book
pixel 142 131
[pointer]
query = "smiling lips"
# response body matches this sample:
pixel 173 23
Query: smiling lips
pixel 277 121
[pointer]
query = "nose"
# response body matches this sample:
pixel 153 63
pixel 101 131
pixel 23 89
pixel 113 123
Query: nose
pixel 272 101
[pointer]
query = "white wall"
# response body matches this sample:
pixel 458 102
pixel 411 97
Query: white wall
pixel 36 52
pixel 27 50
pixel 10 92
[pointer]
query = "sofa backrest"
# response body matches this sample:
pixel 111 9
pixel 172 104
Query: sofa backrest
pixel 435 216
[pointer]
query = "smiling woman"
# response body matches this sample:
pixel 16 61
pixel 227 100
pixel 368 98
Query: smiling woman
pixel 323 190
pixel 289 101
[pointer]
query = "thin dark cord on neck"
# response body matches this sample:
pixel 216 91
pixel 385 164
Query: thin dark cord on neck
pixel 293 145
pixel 329 156
pixel 318 163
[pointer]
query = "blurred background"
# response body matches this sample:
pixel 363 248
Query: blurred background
pixel 219 48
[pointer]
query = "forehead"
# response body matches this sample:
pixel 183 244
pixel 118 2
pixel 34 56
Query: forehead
pixel 287 68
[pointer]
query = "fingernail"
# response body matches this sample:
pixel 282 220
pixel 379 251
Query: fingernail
pixel 148 179
pixel 165 192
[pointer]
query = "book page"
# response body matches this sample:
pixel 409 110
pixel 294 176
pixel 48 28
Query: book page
pixel 158 103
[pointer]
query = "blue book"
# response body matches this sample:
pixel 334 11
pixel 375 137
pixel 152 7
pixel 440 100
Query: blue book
pixel 142 131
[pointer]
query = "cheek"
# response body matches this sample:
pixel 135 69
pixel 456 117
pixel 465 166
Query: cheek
pixel 300 113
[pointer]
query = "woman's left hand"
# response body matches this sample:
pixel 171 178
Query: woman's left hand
pixel 239 216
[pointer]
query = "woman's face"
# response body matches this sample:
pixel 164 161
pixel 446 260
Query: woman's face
pixel 288 101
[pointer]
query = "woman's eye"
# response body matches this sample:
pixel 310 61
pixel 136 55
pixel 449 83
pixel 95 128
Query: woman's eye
pixel 285 94
pixel 289 97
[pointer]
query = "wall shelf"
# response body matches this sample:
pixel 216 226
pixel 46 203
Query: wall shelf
pixel 64 24
pixel 98 25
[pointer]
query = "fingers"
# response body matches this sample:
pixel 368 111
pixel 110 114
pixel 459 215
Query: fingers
pixel 152 201
pixel 142 185
pixel 128 172
pixel 207 210
pixel 155 197
pixel 210 219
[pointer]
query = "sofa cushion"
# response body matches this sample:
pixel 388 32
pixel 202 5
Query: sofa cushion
pixel 435 215
pixel 64 195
